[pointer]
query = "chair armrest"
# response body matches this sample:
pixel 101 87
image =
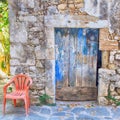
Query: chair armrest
pixel 6 85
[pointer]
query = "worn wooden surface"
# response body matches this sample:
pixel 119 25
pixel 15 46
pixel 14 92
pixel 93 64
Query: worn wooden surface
pixel 76 93
pixel 75 59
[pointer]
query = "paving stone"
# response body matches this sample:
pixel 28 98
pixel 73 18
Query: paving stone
pixel 116 113
pixel 45 111
pixel 18 117
pixel 59 114
pixel 34 116
pixel 78 110
pixel 35 108
pixel 108 118
pixel 86 117
pixel 64 113
pixel 98 111
pixel 63 108
pixel 7 117
pixel 55 118
pixel 70 118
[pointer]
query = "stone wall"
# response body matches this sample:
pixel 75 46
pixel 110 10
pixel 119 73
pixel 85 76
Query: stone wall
pixel 32 25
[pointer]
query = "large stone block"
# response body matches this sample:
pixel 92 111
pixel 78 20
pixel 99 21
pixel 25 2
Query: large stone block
pixel 18 33
pixel 52 10
pixel 105 59
pixel 78 1
pixel 28 18
pixel 102 101
pixel 18 69
pixel 103 88
pixel 112 56
pixel 14 62
pixel 39 64
pixel 106 72
pixel 34 41
pixel 40 52
pixel 114 16
pixel 30 3
pixel 22 53
pixel 105 76
pixel 117 84
pixel 62 6
pixel 104 4
pixel 117 56
pixel 107 41
pixel 17 51
pixel 108 45
pixel 50 53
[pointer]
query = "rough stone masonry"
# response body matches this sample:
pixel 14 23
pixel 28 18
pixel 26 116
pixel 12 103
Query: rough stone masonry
pixel 32 25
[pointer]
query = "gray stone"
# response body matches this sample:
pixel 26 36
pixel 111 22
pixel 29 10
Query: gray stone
pixel 102 101
pixel 118 71
pixel 114 16
pixel 106 71
pixel 112 87
pixel 32 70
pixel 19 33
pixel 117 84
pixel 30 3
pixel 35 29
pixel 17 51
pixel 39 64
pixel 91 7
pixel 34 41
pixel 14 62
pixel 103 9
pixel 117 56
pixel 52 10
pixel 118 90
pixel 111 58
pixel 28 18
pixel 40 52
pixel 103 88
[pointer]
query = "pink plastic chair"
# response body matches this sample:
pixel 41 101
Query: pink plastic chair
pixel 22 83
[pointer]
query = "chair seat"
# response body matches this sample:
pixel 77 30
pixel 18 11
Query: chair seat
pixel 18 94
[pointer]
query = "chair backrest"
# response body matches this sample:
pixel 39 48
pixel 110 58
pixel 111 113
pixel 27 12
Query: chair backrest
pixel 22 81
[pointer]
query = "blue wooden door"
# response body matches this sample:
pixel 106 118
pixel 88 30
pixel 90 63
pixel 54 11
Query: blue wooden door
pixel 76 63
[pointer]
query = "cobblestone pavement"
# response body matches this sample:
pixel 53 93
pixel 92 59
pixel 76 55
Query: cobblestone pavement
pixel 62 111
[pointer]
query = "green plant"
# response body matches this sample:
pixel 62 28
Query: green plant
pixel 3 64
pixel 110 97
pixel 44 99
pixel 4 33
pixel 10 89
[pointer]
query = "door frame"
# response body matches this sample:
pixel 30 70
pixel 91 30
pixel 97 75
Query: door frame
pixel 50 23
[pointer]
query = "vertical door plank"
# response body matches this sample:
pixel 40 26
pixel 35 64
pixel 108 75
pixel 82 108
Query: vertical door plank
pixel 92 42
pixel 62 57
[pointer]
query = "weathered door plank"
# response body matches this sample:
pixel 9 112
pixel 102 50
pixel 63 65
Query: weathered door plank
pixel 76 63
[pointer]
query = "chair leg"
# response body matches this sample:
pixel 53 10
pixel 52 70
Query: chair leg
pixel 26 106
pixel 28 101
pixel 4 105
pixel 14 101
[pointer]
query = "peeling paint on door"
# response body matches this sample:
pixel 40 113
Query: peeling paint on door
pixel 76 57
